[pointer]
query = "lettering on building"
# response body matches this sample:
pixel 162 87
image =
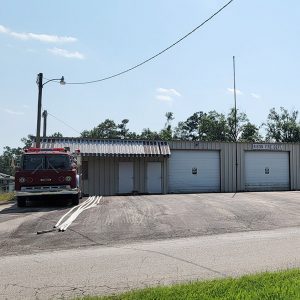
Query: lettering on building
pixel 272 147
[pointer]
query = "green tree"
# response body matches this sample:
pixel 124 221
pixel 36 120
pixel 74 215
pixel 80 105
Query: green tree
pixel 202 126
pixel 189 129
pixel 56 134
pixel 7 159
pixel 132 136
pixel 123 130
pixel 27 141
pixel 250 133
pixel 235 127
pixel 147 134
pixel 214 127
pixel 170 117
pixel 105 130
pixel 110 130
pixel 181 132
pixel 167 133
pixel 10 155
pixel 282 126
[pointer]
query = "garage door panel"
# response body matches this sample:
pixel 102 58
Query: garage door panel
pixel 266 171
pixel 181 177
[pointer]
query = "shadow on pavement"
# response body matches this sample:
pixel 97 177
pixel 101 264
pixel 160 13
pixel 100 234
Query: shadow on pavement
pixel 39 205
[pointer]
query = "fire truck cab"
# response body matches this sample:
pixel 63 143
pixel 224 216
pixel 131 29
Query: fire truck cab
pixel 44 172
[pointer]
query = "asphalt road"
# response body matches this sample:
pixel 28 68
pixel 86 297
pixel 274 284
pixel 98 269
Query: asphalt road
pixel 134 241
pixel 106 270
pixel 125 219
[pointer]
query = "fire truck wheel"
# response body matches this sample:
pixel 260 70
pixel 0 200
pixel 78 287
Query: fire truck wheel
pixel 75 199
pixel 21 201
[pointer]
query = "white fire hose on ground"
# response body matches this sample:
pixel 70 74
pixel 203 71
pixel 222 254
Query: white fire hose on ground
pixel 66 220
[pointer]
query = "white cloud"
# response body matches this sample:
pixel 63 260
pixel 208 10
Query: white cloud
pixel 13 112
pixel 164 98
pixel 238 92
pixel 46 38
pixel 3 29
pixel 171 92
pixel 256 96
pixel 167 95
pixel 66 53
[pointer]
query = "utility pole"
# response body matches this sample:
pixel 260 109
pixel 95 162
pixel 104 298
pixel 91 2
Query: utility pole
pixel 38 125
pixel 40 84
pixel 45 115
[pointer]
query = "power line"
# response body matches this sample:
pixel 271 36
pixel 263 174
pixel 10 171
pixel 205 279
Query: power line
pixel 63 122
pixel 159 53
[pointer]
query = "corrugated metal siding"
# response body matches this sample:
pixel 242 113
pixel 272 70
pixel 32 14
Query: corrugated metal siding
pixel 164 148
pixel 103 169
pixel 126 148
pixel 103 174
pixel 228 161
pixel 294 153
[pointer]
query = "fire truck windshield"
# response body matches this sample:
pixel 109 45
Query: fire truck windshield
pixel 33 162
pixel 46 162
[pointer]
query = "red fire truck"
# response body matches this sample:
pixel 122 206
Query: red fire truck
pixel 44 172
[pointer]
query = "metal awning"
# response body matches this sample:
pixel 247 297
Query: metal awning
pixel 114 148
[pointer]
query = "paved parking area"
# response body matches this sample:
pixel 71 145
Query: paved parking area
pixel 126 219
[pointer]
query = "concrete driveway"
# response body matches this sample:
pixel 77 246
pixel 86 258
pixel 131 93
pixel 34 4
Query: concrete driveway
pixel 126 219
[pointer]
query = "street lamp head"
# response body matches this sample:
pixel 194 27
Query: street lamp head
pixel 62 80
pixel 41 85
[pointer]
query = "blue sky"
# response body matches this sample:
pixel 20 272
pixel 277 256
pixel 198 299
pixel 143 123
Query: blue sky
pixel 88 40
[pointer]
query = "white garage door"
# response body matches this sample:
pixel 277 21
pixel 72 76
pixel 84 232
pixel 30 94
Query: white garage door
pixel 125 177
pixel 267 171
pixel 194 171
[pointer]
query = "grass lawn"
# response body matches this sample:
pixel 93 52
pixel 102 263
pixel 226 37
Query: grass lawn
pixel 271 286
pixel 6 197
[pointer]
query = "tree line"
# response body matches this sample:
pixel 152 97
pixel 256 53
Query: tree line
pixel 280 126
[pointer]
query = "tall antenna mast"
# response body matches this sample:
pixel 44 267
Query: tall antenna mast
pixel 235 128
pixel 234 92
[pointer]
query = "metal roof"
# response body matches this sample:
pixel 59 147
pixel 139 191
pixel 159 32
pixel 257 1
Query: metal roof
pixel 94 147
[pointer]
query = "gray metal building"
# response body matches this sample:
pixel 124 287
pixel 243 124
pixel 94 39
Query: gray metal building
pixel 239 166
pixel 111 167
pixel 7 183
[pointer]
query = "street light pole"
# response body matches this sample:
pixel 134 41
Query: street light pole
pixel 40 87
